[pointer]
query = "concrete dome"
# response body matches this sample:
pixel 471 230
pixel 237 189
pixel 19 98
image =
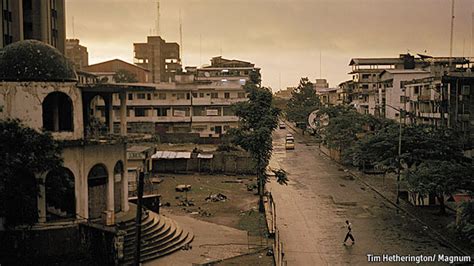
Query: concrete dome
pixel 33 60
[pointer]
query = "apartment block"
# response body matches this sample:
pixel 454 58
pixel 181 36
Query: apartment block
pixel 42 20
pixel 161 58
pixel 443 101
pixel 77 53
pixel 198 102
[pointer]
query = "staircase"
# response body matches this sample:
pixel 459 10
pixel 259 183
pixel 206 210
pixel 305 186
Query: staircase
pixel 159 236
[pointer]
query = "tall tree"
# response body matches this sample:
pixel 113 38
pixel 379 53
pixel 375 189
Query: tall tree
pixel 258 118
pixel 438 178
pixel 125 76
pixel 303 101
pixel 25 152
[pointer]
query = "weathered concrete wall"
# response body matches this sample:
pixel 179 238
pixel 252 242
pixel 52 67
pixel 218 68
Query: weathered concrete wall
pixel 23 100
pixel 81 159
pixel 332 153
pixel 222 162
pixel 77 245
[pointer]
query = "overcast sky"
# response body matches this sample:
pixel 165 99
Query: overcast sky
pixel 283 37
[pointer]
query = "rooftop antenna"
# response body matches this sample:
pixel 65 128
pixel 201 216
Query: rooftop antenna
pixel 320 69
pixel 73 33
pixel 200 50
pixel 452 32
pixel 157 26
pixel 180 35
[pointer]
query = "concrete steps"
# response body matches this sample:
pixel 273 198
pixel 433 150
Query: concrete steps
pixel 160 236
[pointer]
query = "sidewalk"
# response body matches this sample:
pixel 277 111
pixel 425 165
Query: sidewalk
pixel 434 225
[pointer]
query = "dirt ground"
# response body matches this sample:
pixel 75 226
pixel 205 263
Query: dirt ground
pixel 239 210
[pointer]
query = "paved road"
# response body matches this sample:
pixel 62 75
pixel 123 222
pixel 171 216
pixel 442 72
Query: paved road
pixel 312 209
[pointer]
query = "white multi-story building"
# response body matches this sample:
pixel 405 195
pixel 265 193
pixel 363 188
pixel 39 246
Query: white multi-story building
pixel 199 101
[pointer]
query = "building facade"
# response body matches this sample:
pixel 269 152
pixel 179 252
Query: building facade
pixel 42 20
pixel 198 102
pixel 161 58
pixel 77 53
pixel 106 71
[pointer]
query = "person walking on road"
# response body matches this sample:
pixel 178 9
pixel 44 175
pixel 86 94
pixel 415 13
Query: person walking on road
pixel 349 233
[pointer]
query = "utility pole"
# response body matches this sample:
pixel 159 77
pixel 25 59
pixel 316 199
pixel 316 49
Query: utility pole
pixel 157 29
pixel 180 35
pixel 138 218
pixel 452 33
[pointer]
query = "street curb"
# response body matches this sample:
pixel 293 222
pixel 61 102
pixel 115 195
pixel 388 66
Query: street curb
pixel 433 234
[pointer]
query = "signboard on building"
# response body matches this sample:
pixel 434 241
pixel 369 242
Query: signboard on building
pixel 212 112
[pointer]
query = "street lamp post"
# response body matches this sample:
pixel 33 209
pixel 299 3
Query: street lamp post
pixel 400 111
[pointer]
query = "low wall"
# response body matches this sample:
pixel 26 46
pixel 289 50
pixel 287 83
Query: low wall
pixel 222 162
pixel 332 153
pixel 71 244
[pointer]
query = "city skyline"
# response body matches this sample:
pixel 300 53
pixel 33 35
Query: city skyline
pixel 286 42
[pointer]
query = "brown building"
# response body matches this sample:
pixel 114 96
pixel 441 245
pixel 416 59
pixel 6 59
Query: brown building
pixel 108 69
pixel 77 53
pixel 158 56
pixel 42 20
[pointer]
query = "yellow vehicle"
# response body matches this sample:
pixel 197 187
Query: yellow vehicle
pixel 290 144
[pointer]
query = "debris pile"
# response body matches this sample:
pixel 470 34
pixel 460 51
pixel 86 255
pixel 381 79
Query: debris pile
pixel 216 197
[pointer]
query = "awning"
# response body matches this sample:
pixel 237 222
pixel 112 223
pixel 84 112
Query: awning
pixel 205 156
pixel 171 155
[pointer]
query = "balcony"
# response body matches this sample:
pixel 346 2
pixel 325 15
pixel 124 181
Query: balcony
pixel 217 101
pixel 215 119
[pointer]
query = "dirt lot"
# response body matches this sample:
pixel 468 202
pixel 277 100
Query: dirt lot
pixel 226 212
pixel 239 210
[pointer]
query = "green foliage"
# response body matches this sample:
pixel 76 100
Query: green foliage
pixel 125 76
pixel 345 123
pixel 25 151
pixel 465 220
pixel 419 143
pixel 258 118
pixel 303 101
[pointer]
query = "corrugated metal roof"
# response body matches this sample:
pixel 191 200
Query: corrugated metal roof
pixel 171 155
pixel 205 156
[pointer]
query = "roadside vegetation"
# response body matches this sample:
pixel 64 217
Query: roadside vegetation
pixel 258 118
pixel 25 152
pixel 431 158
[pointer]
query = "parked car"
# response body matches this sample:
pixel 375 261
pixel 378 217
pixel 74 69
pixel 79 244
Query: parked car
pixel 289 136
pixel 290 144
pixel 282 125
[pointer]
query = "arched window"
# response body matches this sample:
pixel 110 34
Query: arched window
pixel 97 185
pixel 60 195
pixel 118 179
pixel 57 112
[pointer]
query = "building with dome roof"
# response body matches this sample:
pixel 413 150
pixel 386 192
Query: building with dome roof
pixel 84 205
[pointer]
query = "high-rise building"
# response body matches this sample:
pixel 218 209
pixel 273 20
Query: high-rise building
pixel 42 20
pixel 160 57
pixel 77 53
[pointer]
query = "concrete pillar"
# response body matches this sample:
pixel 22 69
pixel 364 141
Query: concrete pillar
pixel 109 112
pixel 41 201
pixel 125 206
pixel 110 189
pixel 123 114
pixel 45 19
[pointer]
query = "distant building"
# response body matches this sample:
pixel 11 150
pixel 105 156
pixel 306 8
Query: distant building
pixel 286 93
pixel 443 101
pixel 197 103
pixel 328 96
pixel 77 53
pixel 320 84
pixel 42 20
pixel 161 58
pixel 394 97
pixel 105 71
pixel 368 94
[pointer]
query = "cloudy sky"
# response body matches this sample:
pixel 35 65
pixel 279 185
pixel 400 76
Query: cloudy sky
pixel 283 37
